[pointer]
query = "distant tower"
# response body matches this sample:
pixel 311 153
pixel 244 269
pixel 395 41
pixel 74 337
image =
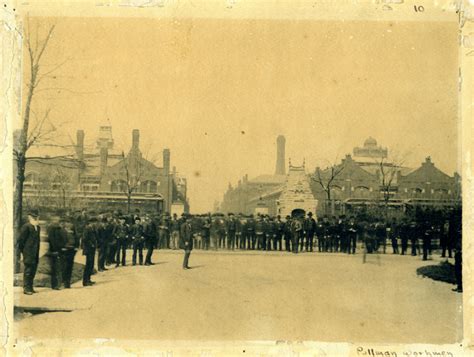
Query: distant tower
pixel 280 161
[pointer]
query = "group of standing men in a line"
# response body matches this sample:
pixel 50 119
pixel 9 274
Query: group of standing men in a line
pixel 109 235
pixel 335 234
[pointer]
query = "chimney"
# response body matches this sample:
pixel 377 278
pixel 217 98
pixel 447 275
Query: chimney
pixel 280 159
pixel 135 139
pixel 103 160
pixel 166 161
pixel 80 145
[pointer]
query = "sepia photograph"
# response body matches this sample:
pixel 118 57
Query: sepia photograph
pixel 237 178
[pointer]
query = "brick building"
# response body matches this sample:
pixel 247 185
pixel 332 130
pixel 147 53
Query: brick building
pixel 365 178
pixel 103 178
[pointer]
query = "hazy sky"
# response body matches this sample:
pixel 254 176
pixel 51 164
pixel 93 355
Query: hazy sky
pixel 218 92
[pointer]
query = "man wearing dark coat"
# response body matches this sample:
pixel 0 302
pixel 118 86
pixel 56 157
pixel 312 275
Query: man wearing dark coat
pixel 205 232
pixel 186 241
pixel 121 234
pixel 351 232
pixel 260 232
pixel 413 231
pixel 279 233
pixel 72 241
pixel 137 241
pixel 28 245
pixel 404 231
pixel 288 234
pixel 57 242
pixel 310 229
pixel 231 228
pixel 149 234
pixel 251 237
pixel 89 244
pixel 102 240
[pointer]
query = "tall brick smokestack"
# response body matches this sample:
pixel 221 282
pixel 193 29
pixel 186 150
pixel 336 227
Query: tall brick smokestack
pixel 166 161
pixel 280 159
pixel 135 139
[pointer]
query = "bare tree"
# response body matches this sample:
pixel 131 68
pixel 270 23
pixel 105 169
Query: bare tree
pixel 133 171
pixel 325 179
pixel 62 185
pixel 29 136
pixel 388 169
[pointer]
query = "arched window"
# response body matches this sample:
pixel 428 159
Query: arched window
pixel 417 192
pixel 336 192
pixel 148 186
pixel 441 193
pixel 118 186
pixel 361 192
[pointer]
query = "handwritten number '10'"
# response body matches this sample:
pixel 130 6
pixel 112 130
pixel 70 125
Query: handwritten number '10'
pixel 419 8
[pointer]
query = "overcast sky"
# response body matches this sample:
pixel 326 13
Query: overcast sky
pixel 218 92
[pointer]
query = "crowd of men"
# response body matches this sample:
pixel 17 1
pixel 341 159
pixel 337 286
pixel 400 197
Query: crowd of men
pixel 109 235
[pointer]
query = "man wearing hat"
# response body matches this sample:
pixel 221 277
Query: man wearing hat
pixel 279 232
pixel 310 229
pixel 174 226
pixel 149 234
pixel 28 245
pixel 72 241
pixel 89 244
pixel 121 234
pixel 288 233
pixel 137 241
pixel 57 242
pixel 186 241
pixel 251 238
pixel 231 228
pixel 297 233
pixel 206 232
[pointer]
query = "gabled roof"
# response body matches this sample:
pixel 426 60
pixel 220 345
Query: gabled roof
pixel 427 172
pixel 350 169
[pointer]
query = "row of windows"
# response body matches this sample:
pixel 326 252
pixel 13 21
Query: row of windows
pixel 32 182
pixel 365 192
pixel 145 186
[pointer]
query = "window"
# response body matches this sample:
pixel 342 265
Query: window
pixel 89 187
pixel 118 186
pixel 336 192
pixel 361 192
pixel 148 186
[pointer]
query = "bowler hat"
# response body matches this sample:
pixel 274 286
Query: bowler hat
pixel 33 213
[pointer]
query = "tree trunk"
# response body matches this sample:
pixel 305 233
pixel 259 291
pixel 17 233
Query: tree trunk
pixel 328 202
pixel 21 165
pixel 18 208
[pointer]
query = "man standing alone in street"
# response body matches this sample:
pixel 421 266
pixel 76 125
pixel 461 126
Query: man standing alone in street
pixel 149 234
pixel 186 239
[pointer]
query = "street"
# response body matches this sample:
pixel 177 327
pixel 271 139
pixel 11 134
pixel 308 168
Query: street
pixel 255 296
